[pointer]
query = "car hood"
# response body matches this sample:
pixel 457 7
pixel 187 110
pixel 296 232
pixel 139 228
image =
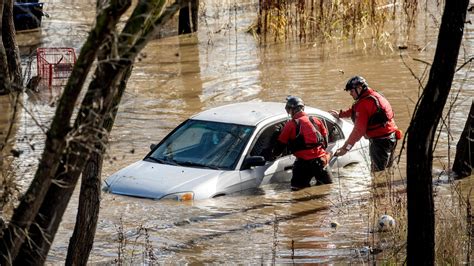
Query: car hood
pixel 153 180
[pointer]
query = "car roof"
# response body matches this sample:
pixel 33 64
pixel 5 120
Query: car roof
pixel 248 113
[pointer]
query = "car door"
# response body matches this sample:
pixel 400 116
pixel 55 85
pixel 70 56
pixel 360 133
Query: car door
pixel 277 169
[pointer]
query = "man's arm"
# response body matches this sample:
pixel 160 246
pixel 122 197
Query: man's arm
pixel 341 113
pixel 360 127
pixel 283 139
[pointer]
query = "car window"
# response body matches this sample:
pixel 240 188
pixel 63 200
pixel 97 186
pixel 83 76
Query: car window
pixel 334 132
pixel 203 144
pixel 266 140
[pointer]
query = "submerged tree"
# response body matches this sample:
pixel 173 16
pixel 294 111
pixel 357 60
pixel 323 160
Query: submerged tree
pixel 421 132
pixel 188 18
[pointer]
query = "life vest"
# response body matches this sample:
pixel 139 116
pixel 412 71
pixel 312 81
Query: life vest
pixel 307 137
pixel 383 114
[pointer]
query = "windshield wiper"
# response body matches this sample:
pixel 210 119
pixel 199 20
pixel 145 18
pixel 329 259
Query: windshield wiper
pixel 188 163
pixel 162 161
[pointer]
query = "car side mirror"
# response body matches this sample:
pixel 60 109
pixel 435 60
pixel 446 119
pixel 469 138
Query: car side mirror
pixel 152 146
pixel 253 161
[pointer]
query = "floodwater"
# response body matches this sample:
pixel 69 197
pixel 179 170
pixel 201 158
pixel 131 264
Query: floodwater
pixel 180 76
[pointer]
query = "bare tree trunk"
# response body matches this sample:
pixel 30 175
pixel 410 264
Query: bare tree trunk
pixel 82 239
pixel 464 159
pixel 195 14
pixel 188 18
pixel 11 48
pixel 421 221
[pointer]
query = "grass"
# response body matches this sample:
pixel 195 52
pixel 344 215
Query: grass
pixel 134 246
pixel 453 221
pixel 310 20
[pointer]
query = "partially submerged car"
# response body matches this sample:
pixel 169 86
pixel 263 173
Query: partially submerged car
pixel 224 150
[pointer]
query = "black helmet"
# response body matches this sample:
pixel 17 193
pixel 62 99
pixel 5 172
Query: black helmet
pixel 356 81
pixel 294 102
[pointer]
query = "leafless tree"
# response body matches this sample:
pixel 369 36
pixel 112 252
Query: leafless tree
pixel 421 133
pixel 69 148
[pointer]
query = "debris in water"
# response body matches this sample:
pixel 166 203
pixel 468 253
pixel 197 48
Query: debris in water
pixel 385 223
pixel 335 225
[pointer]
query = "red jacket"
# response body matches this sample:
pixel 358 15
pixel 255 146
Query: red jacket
pixel 363 110
pixel 288 134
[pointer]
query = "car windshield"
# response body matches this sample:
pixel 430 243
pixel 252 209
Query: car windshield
pixel 203 144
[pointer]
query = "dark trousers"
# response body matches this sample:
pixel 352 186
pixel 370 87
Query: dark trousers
pixel 380 151
pixel 305 170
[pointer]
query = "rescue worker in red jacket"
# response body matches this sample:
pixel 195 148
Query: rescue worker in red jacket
pixel 373 118
pixel 306 137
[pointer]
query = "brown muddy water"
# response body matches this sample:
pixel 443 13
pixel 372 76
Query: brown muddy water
pixel 180 76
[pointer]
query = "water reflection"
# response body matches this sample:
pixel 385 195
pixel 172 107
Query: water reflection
pixel 190 69
pixel 180 76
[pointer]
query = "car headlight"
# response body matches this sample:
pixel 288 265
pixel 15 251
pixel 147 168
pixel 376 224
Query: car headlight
pixel 181 196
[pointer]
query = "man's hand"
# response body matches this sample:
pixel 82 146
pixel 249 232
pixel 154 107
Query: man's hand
pixel 334 113
pixel 326 158
pixel 340 152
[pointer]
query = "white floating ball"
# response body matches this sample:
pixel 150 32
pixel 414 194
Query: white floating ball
pixel 386 222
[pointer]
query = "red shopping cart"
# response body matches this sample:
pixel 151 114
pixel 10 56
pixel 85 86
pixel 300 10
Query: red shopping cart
pixel 54 65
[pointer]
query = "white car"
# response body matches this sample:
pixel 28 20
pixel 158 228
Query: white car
pixel 224 150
